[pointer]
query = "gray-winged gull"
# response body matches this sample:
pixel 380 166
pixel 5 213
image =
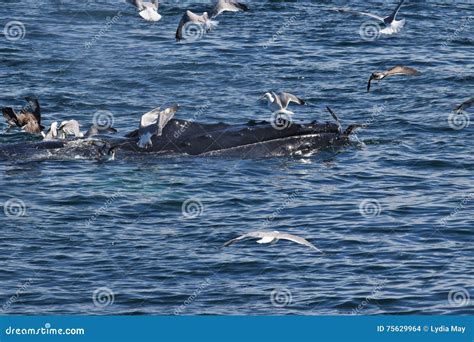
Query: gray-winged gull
pixel 391 24
pixel 279 103
pixel 397 70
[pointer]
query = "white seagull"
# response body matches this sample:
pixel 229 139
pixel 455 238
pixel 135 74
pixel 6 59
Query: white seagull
pixel 153 122
pixel 391 24
pixel 279 103
pixel 228 6
pixel 147 10
pixel 272 237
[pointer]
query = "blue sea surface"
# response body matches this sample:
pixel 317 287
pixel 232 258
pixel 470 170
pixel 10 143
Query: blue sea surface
pixel 392 214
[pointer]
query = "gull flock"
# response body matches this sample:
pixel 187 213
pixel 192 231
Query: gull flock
pixel 28 119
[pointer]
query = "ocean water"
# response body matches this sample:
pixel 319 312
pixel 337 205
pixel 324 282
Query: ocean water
pixel 392 214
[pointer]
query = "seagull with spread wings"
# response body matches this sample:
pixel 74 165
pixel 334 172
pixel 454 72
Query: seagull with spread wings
pixel 279 103
pixel 272 237
pixel 392 25
pixel 397 70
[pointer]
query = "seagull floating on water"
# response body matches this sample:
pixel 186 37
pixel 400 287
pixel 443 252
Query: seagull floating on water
pixel 279 103
pixel 194 26
pixel 463 106
pixel 29 118
pixel 153 122
pixel 228 6
pixel 272 237
pixel 397 70
pixel 147 10
pixel 391 24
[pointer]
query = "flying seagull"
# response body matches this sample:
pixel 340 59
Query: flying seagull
pixel 153 122
pixel 279 103
pixel 147 10
pixel 272 237
pixel 465 105
pixel 228 6
pixel 29 118
pixel 193 26
pixel 391 24
pixel 397 70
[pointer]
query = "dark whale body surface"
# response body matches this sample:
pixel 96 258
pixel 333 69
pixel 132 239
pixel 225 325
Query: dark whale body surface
pixel 180 137
pixel 254 139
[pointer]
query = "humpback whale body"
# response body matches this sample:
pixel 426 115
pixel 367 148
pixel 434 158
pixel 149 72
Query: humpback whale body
pixel 188 138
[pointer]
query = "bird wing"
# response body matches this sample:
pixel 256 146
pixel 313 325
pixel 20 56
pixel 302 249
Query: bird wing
pixel 401 70
pixel 187 17
pixel 228 5
pixel 392 16
pixel 335 117
pixel 374 16
pixel 250 234
pixel 286 98
pixel 10 116
pixel 70 127
pixel 276 99
pixel 137 3
pixel 33 107
pixel 166 115
pixel 465 105
pixel 150 117
pixel 369 83
pixel 297 239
